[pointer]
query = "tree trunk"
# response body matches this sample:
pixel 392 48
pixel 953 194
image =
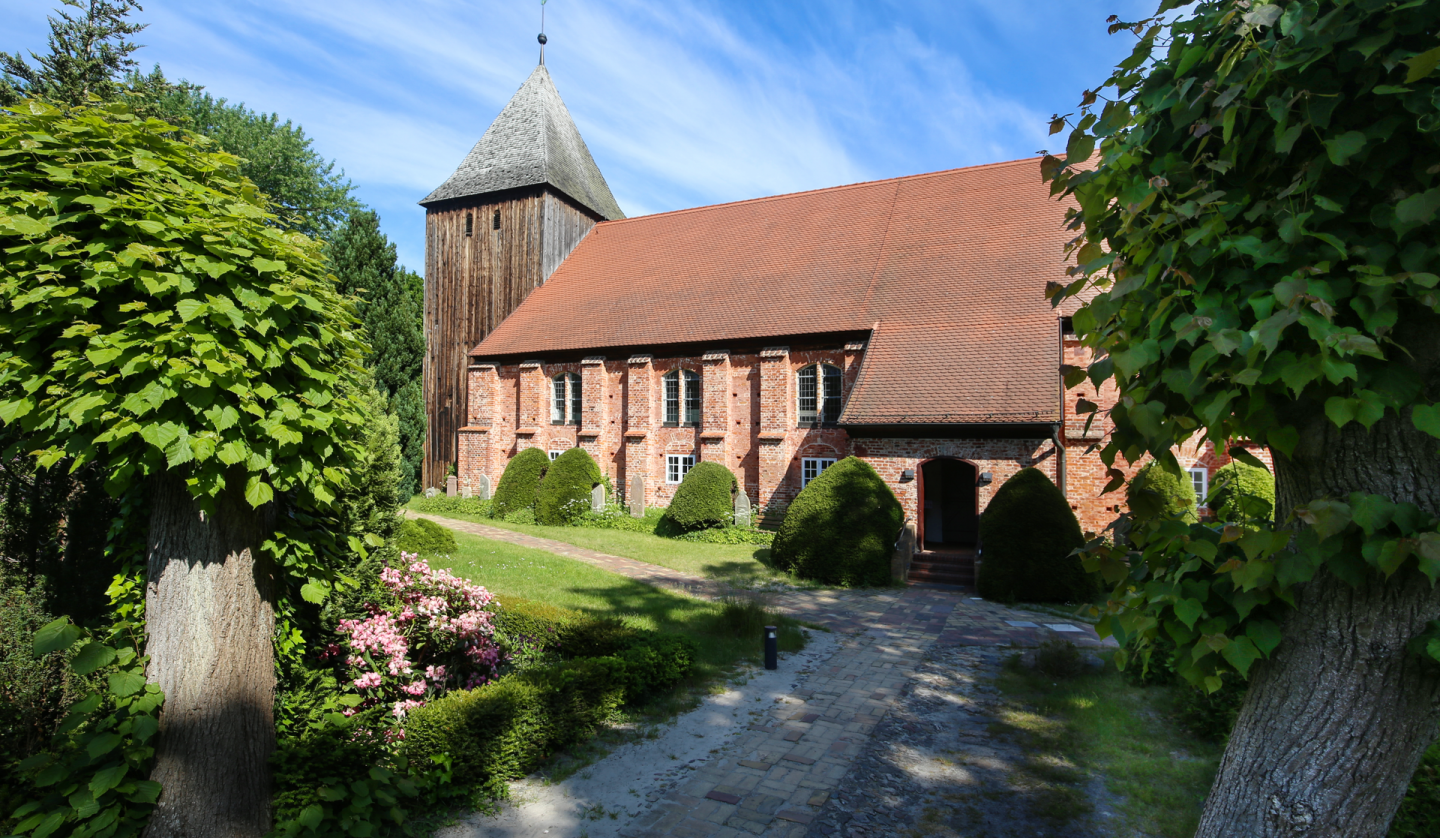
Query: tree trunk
pixel 1336 721
pixel 209 617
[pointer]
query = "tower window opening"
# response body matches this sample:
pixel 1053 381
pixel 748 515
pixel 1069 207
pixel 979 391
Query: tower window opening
pixel 495 222
pixel 469 222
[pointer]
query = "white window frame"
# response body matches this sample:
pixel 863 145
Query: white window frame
pixel 689 387
pixel 570 402
pixel 813 467
pixel 822 395
pixel 677 466
pixel 1200 482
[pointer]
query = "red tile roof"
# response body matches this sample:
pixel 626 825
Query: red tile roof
pixel 952 265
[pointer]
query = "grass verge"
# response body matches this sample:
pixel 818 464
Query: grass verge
pixel 1098 722
pixel 739 565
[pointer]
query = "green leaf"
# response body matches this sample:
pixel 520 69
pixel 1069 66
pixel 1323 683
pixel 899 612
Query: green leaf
pixel 1345 146
pixel 52 822
pixel 1265 634
pixel 126 683
pixel 311 816
pixel 56 635
pixel 314 592
pixel 258 492
pixel 1418 208
pixel 1341 411
pixel 25 225
pixel 107 778
pixel 1188 611
pixel 1241 653
pixel 102 744
pixel 1421 65
pixel 92 656
pixel 191 309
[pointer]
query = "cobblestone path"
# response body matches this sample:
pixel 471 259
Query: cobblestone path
pixel 774 779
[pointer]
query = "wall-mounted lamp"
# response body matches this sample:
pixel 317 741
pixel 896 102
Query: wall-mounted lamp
pixel 907 475
pixel 985 479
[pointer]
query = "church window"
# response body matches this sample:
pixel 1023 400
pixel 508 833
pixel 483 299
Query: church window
pixel 565 406
pixel 469 222
pixel 811 467
pixel 495 222
pixel 677 466
pixel 682 398
pixel 1200 480
pixel 818 391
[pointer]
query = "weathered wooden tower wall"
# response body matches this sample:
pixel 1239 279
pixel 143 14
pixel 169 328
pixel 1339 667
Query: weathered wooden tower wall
pixel 477 271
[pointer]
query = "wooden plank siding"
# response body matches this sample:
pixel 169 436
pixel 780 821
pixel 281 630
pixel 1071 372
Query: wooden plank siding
pixel 472 282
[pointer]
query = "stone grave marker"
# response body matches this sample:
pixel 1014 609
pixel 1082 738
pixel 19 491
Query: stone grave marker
pixel 742 510
pixel 637 496
pixel 484 491
pixel 465 489
pixel 597 498
pixel 431 492
pixel 452 486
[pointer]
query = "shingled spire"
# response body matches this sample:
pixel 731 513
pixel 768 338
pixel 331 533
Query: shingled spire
pixel 532 142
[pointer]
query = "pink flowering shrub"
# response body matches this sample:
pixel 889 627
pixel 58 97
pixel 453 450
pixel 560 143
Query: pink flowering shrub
pixel 436 635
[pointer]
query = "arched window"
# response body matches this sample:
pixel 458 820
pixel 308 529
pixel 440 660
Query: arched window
pixel 565 407
pixel 819 394
pixel 682 397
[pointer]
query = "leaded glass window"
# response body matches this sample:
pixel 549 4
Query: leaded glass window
pixel 682 391
pixel 818 394
pixel 566 403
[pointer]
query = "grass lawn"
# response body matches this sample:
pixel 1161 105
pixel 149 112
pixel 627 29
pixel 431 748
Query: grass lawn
pixel 1158 772
pixel 723 634
pixel 740 565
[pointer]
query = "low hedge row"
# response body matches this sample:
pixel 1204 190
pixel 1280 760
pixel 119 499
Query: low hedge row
pixel 425 537
pixel 504 730
pixel 567 633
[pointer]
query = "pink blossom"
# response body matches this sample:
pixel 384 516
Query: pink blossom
pixel 415 687
pixel 403 707
pixel 368 680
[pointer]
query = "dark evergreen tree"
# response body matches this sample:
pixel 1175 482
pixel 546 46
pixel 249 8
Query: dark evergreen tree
pixel 89 53
pixel 364 261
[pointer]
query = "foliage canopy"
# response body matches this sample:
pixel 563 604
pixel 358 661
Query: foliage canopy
pixel 841 528
pixel 1256 214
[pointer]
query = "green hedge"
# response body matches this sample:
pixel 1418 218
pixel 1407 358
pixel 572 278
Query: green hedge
pixel 419 535
pixel 1242 492
pixel 1155 492
pixel 565 632
pixel 706 498
pixel 1027 534
pixel 564 494
pixel 518 485
pixel 504 730
pixel 444 505
pixel 841 528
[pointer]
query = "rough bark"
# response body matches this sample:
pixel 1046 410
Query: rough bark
pixel 209 620
pixel 1335 723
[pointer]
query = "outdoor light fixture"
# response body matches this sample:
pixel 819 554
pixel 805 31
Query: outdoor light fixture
pixel 907 475
pixel 772 648
pixel 985 479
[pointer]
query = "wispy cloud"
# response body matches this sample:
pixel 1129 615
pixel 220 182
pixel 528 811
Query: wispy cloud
pixel 682 103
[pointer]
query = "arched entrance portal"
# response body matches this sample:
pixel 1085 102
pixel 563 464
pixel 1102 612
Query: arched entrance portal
pixel 949 507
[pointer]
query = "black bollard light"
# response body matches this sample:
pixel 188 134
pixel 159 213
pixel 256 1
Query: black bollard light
pixel 772 648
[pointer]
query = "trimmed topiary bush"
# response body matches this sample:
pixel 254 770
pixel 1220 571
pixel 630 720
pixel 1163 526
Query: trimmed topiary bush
pixel 1028 533
pixel 1242 492
pixel 424 537
pixel 520 482
pixel 564 494
pixel 1155 492
pixel 706 498
pixel 841 528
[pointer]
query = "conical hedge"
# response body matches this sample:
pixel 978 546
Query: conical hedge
pixel 1027 534
pixel 841 528
pixel 520 482
pixel 705 498
pixel 1242 492
pixel 1154 492
pixel 564 494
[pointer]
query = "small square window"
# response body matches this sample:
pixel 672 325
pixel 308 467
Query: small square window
pixel 811 467
pixel 554 454
pixel 1200 480
pixel 677 466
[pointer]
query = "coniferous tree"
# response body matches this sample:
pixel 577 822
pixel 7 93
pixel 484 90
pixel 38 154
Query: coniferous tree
pixel 365 262
pixel 89 52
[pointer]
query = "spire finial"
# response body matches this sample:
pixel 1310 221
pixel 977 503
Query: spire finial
pixel 542 39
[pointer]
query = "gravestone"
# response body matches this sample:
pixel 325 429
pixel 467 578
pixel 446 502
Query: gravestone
pixel 465 489
pixel 452 486
pixel 637 496
pixel 431 492
pixel 484 490
pixel 742 510
pixel 597 498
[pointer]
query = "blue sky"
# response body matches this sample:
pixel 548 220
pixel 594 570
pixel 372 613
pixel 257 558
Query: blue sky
pixel 682 103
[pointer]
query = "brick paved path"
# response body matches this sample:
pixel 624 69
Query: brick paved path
pixel 773 779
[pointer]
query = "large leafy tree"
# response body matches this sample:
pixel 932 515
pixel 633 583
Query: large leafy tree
pixel 365 262
pixel 157 323
pixel 1256 210
pixel 89 53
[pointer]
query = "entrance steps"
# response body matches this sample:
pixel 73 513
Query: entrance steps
pixel 946 566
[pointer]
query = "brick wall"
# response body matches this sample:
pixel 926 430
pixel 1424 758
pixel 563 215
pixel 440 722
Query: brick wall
pixel 749 424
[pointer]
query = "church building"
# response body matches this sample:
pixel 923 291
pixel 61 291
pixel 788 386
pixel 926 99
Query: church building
pixel 900 321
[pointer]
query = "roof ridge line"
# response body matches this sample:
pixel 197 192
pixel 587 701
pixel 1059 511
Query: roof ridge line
pixel 837 188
